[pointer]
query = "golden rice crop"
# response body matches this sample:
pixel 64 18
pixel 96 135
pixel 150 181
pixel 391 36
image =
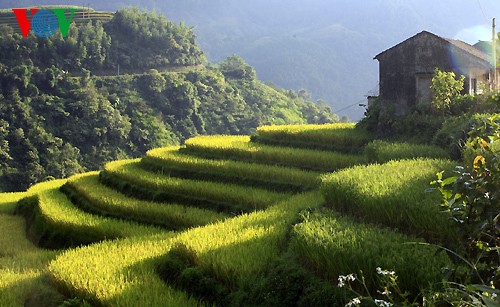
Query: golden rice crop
pixel 168 159
pixel 122 272
pixel 333 246
pixel 58 216
pixel 341 136
pixel 8 201
pixel 114 203
pixel 21 263
pixel 392 194
pixel 231 194
pixel 240 148
pixel 383 151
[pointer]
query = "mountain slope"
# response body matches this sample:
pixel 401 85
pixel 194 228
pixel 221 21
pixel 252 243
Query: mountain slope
pixel 324 46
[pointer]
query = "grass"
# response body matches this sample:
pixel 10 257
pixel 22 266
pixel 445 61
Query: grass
pixel 332 245
pixel 112 203
pixel 170 161
pixel 339 137
pixel 213 195
pixel 240 148
pixel 383 151
pixel 230 250
pixel 393 195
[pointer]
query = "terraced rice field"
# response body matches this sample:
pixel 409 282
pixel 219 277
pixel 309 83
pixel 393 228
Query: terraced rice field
pixel 210 222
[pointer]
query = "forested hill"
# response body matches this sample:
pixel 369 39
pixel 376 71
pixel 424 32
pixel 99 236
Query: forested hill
pixel 60 115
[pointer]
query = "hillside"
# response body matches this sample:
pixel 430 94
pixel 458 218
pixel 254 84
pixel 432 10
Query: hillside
pixel 60 113
pixel 229 221
pixel 324 46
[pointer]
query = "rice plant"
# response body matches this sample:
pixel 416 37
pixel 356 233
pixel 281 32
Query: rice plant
pixel 123 272
pixel 230 197
pixel 332 245
pixel 240 148
pixel 394 195
pixel 383 151
pixel 22 264
pixel 340 137
pixel 110 202
pixel 170 161
pixel 8 201
pixel 57 222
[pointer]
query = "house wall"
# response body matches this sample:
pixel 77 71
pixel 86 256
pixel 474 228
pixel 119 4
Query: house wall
pixel 406 70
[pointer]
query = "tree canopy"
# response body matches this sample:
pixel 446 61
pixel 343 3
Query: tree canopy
pixel 60 114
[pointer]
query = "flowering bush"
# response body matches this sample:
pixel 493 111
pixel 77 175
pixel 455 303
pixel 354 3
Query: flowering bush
pixel 389 294
pixel 472 200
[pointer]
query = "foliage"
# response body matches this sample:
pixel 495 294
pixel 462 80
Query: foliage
pixel 148 40
pixel 338 137
pixel 454 133
pixel 235 68
pixel 393 195
pixel 383 151
pixel 59 116
pixel 472 200
pixel 445 88
pixel 404 127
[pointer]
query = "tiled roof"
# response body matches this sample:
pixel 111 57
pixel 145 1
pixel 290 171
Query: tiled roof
pixel 457 43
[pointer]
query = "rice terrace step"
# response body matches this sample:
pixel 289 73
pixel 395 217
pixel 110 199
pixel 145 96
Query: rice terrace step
pixel 211 221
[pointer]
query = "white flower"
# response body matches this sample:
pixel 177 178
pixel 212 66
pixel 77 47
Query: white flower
pixel 493 296
pixel 342 279
pixel 354 302
pixel 387 292
pixel 382 303
pixel 385 272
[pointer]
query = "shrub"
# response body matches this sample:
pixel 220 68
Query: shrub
pixel 454 133
pixel 404 127
pixel 472 200
pixel 445 89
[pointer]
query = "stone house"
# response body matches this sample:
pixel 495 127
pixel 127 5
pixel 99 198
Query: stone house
pixel 406 70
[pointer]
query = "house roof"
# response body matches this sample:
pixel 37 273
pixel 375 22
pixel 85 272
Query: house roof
pixel 457 43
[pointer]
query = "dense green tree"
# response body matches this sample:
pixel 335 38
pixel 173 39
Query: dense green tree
pixel 445 88
pixel 234 67
pixel 60 114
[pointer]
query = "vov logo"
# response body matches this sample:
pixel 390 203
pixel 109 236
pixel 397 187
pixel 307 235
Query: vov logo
pixel 44 22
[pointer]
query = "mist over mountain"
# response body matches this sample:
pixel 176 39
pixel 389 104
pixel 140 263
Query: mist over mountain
pixel 324 46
